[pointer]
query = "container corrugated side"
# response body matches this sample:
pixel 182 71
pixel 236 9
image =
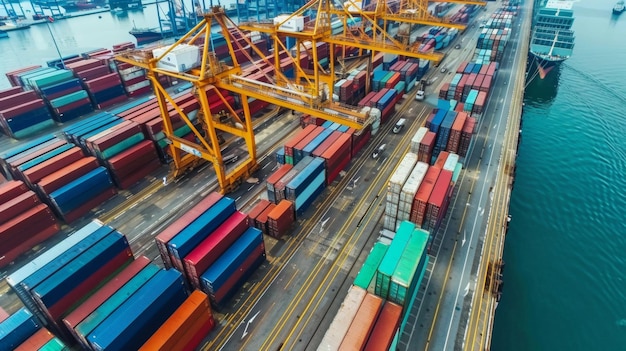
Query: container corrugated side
pixel 362 324
pixel 211 248
pixel 401 174
pixel 84 328
pixel 132 324
pixel 390 261
pixel 417 139
pixel 385 328
pixel 342 320
pixel 36 341
pixel 408 272
pixel 367 272
pixel 409 190
pixel 193 234
pixel 168 233
pixel 17 328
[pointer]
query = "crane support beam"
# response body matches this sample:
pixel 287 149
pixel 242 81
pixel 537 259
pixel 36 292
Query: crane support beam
pixel 315 107
pixel 463 2
pixel 385 47
pixel 429 21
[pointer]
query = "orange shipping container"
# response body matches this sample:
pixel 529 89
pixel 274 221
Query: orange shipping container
pixel 36 341
pixel 362 324
pixel 171 335
pixel 385 328
pixel 441 159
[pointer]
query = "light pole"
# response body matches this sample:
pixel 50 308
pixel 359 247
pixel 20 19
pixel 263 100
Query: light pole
pixel 50 20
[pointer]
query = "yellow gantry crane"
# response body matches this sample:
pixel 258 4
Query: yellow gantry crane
pixel 310 92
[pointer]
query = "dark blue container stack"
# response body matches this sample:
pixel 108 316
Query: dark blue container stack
pixel 434 127
pixel 23 113
pixel 17 328
pixel 444 132
pixel 51 284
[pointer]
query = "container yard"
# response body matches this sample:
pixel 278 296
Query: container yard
pixel 352 245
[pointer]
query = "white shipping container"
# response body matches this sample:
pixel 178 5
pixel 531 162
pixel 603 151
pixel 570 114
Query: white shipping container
pixel 413 182
pixel 399 177
pixel 137 86
pixel 417 139
pixel 130 70
pixel 451 162
pixel 294 24
pixel 181 59
pixel 389 223
pixel 389 57
pixel 402 216
pixel 340 324
pixel 391 209
pixel 132 75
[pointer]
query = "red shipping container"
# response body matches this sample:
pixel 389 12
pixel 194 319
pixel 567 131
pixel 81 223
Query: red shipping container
pixel 3 315
pixel 461 67
pixel 133 158
pixel 141 91
pixel 385 328
pixel 51 165
pixel 435 209
pixel 11 189
pixel 441 159
pixel 418 209
pixel 83 65
pixel 139 174
pixel 99 297
pixel 17 99
pixel 280 219
pixel 31 221
pixel 337 157
pixel 170 232
pixel 17 110
pixel 277 176
pixel 59 111
pixel 363 323
pixel 28 243
pixel 326 143
pixel 12 75
pixel 306 140
pixel 36 341
pixel 17 205
pixel 360 139
pixel 455 132
pixel 93 73
pixel 63 176
pixel 258 208
pixel 293 141
pixel 111 102
pixel 32 154
pixel 10 91
pixel 103 82
pixel 261 221
pixel 112 136
pixel 426 147
pixel 211 248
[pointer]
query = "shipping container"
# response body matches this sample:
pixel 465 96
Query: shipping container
pixel 261 221
pixel 173 229
pixel 273 179
pixel 366 275
pixel 363 323
pixel 211 248
pixel 185 241
pixel 342 320
pixel 438 202
pixel 256 210
pixel 17 328
pixel 215 276
pixel 418 210
pixel 410 269
pixel 385 328
pixel 281 218
pixel 390 261
pixel 36 341
pixel 409 190
pixel 103 294
pixel 192 316
pixel 417 139
pixel 132 324
pixel 94 319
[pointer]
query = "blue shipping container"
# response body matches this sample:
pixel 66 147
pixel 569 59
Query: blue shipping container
pixel 343 128
pixel 217 274
pixel 28 147
pixel 310 194
pixel 201 227
pixel 17 328
pixel 436 122
pixel 91 322
pixel 81 190
pixel 297 185
pixel 48 155
pixel 60 283
pixel 134 322
pixel 310 147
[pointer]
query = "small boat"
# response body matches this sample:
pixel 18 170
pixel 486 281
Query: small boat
pixel 619 7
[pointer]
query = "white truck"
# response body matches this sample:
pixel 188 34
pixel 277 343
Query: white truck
pixel 421 91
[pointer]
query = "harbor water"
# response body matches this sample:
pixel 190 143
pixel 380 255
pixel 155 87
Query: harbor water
pixel 564 281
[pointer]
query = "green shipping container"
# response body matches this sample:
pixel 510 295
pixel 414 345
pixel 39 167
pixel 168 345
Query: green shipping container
pixel 54 345
pixel 68 99
pixel 122 146
pixel 84 328
pixel 392 257
pixel 383 81
pixel 289 159
pixel 366 275
pixel 410 268
pixel 33 129
pixel 50 78
pixel 457 172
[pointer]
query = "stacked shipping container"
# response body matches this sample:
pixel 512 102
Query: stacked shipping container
pixel 22 113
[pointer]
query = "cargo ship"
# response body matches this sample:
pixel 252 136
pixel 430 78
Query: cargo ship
pixel 552 39
pixel 71 5
pixel 619 7
pixel 125 4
